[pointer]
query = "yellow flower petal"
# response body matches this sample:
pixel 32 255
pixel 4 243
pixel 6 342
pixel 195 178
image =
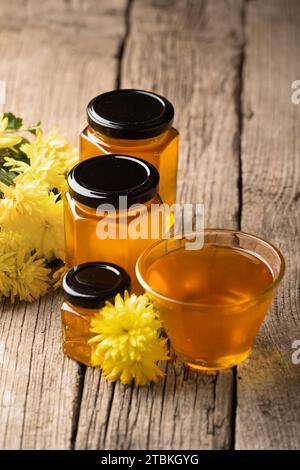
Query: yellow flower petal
pixel 127 344
pixel 7 138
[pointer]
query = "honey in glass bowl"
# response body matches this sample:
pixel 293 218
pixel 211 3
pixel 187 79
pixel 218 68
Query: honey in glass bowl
pixel 212 300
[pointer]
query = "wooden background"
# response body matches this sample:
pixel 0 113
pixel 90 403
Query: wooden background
pixel 228 67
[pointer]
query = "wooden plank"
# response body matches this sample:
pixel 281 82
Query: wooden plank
pixel 268 413
pixel 57 55
pixel 38 385
pixel 54 57
pixel 190 51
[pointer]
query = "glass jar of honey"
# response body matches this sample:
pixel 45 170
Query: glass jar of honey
pixel 112 211
pixel 138 123
pixel 86 288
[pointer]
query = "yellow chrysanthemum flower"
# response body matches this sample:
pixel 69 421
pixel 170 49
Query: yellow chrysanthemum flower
pixel 48 238
pixel 31 210
pixel 21 202
pixel 31 279
pixel 28 208
pixel 127 345
pixel 7 137
pixel 7 258
pixel 22 273
pixel 50 155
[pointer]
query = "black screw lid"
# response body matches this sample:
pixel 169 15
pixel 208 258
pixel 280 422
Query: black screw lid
pixel 130 114
pixel 89 285
pixel 103 179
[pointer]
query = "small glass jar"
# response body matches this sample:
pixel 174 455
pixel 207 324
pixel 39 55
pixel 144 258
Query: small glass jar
pixel 86 288
pixel 138 123
pixel 108 198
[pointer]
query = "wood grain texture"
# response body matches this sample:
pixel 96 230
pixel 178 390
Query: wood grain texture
pixel 189 51
pixel 57 55
pixel 38 388
pixel 268 413
pixel 54 56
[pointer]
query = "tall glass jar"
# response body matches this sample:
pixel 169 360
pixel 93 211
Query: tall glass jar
pixel 112 211
pixel 138 123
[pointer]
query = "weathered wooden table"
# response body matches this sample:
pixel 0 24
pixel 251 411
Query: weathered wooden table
pixel 228 67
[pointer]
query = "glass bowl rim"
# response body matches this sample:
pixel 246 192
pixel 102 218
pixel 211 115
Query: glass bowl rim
pixel 163 297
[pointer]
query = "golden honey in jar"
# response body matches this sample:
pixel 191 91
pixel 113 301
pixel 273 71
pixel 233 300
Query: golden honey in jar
pixel 86 288
pixel 112 211
pixel 138 123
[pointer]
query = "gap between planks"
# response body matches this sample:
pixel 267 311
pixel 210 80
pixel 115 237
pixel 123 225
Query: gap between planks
pixel 82 371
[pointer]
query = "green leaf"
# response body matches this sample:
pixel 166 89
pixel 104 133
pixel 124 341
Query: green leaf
pixel 34 128
pixel 14 122
pixel 7 177
pixel 15 153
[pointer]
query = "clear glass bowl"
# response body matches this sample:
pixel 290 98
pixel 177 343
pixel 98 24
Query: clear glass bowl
pixel 211 336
